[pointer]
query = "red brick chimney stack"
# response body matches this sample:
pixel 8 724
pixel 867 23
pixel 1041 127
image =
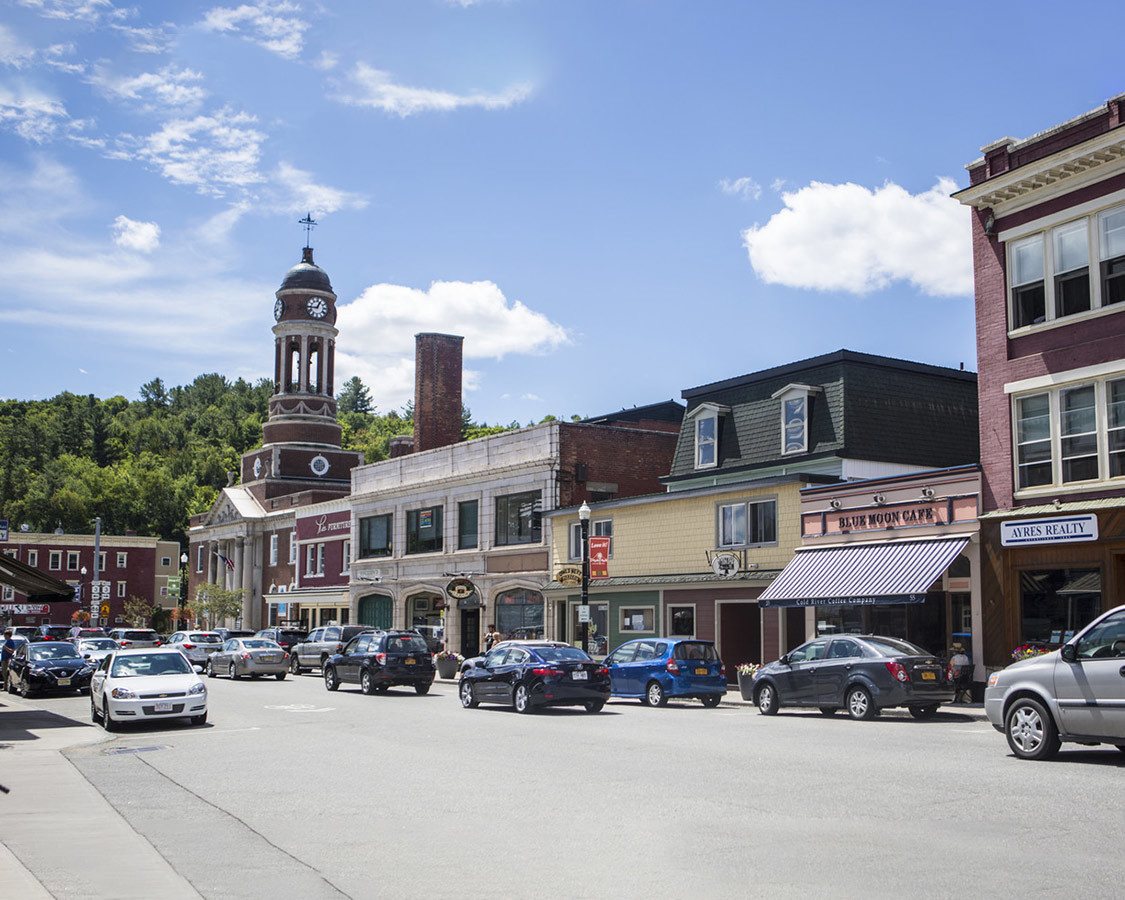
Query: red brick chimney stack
pixel 437 390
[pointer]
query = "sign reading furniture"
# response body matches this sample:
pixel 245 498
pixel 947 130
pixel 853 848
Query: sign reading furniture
pixel 1055 530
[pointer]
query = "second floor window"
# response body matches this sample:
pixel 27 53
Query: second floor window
pixel 375 536
pixel 519 519
pixel 273 549
pixel 71 559
pixel 55 560
pixel 706 441
pixel 424 530
pixel 122 560
pixel 200 552
pixel 747 524
pixel 598 528
pixel 347 562
pixel 468 515
pixel 314 559
pixel 292 546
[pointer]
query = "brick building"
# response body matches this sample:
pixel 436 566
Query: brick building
pixel 1048 228
pixel 134 567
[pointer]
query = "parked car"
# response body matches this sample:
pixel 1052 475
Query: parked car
pixel 29 632
pixel 52 633
pixel 1075 693
pixel 138 638
pixel 477 660
pixel 251 656
pixel 860 673
pixel 655 669
pixel 95 649
pixel 380 660
pixel 84 631
pixel 227 633
pixel 314 650
pixel 529 675
pixel 132 685
pixel 197 646
pixel 285 637
pixel 434 636
pixel 47 666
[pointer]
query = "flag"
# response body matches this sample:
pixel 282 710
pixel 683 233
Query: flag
pixel 227 561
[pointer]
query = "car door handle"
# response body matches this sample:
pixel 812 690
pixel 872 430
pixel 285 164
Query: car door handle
pixel 848 666
pixel 1122 671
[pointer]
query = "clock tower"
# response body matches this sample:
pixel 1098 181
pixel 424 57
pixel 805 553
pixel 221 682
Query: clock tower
pixel 301 439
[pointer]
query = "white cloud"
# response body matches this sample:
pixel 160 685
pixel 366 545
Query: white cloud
pixel 171 88
pixel 32 115
pixel 534 397
pixel 144 237
pixel 278 26
pixel 377 331
pixel 299 193
pixel 75 10
pixel 846 237
pixel 326 61
pixel 13 52
pixel 149 39
pixel 39 197
pixel 376 89
pixel 746 188
pixel 212 153
pixel 777 185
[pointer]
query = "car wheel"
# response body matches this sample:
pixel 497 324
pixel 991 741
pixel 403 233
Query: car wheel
pixel 25 688
pixel 468 696
pixel 828 710
pixel 923 712
pixel 767 700
pixel 711 700
pixel 295 665
pixel 211 673
pixel 521 700
pixel 1030 730
pixel 93 710
pixel 323 662
pixel 654 694
pixel 860 704
pixel 366 684
pixel 280 676
pixel 199 720
pixel 594 706
pixel 107 722
pixel 330 680
pixel 233 672
pixel 422 689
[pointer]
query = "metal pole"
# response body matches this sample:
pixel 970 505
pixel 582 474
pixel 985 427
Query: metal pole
pixel 584 627
pixel 94 602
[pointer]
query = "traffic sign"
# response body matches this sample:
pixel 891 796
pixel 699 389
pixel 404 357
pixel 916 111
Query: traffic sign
pixel 173 585
pixel 104 611
pixel 100 590
pixel 3 529
pixel 583 613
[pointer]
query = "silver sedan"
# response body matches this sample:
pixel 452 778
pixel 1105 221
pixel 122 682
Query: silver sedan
pixel 249 656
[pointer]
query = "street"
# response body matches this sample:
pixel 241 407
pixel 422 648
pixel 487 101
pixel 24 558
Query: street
pixel 292 790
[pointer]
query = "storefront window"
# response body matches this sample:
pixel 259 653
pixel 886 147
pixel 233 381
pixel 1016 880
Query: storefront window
pixel 638 619
pixel 1055 603
pixel 681 621
pixel 425 610
pixel 519 614
pixel 598 635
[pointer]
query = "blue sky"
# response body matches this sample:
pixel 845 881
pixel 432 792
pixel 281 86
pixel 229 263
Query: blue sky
pixel 612 200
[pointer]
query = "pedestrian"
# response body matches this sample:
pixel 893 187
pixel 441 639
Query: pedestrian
pixel 958 663
pixel 6 653
pixel 491 638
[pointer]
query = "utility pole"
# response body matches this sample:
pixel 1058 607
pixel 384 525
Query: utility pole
pixel 97 571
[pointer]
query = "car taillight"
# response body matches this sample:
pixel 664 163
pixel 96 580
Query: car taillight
pixel 188 646
pixel 125 643
pixel 339 648
pixel 898 671
pixel 546 673
pixel 381 658
pixel 722 668
pixel 672 667
pixel 158 643
pixel 602 671
pixel 245 655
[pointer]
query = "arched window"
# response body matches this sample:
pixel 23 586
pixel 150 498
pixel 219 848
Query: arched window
pixel 293 369
pixel 312 376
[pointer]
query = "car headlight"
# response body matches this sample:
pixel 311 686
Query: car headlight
pixel 37 670
pixel 994 679
pixel 122 694
pixel 200 688
pixel 85 670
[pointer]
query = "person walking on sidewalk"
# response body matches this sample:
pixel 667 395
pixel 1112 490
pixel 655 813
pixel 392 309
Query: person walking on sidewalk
pixel 961 668
pixel 7 651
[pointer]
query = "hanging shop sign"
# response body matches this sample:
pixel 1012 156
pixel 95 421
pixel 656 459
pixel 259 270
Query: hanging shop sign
pixel 1055 530
pixel 599 557
pixel 26 609
pixel 724 564
pixel 571 576
pixel 460 589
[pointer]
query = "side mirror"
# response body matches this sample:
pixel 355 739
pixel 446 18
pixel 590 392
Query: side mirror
pixel 784 659
pixel 1069 652
pixel 198 670
pixel 85 655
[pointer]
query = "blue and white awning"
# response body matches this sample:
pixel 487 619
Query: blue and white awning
pixel 863 574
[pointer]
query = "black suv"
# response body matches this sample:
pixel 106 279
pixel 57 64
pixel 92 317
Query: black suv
pixel 286 637
pixel 53 633
pixel 378 660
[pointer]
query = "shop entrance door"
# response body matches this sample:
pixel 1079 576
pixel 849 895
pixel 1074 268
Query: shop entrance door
pixel 376 611
pixel 740 636
pixel 470 633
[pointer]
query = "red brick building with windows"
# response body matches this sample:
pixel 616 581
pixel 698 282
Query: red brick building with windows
pixel 1048 227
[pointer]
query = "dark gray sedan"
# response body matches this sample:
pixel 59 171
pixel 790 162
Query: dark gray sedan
pixel 860 673
pixel 249 656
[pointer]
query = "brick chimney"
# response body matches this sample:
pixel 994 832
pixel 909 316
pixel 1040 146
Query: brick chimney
pixel 400 446
pixel 437 390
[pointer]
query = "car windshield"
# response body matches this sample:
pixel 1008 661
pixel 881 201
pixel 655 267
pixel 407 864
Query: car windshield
pixel 405 643
pixel 54 650
pixel 892 647
pixel 140 636
pixel 97 644
pixel 150 664
pixel 260 644
pixel 56 630
pixel 560 654
pixel 293 636
pixel 205 639
pixel 696 650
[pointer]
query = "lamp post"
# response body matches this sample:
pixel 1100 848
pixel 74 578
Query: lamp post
pixel 584 527
pixel 82 572
pixel 183 587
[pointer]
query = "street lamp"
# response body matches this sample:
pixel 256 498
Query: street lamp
pixel 584 526
pixel 82 572
pixel 183 585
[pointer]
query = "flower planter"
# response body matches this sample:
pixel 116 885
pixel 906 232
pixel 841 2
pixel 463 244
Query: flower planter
pixel 446 668
pixel 746 686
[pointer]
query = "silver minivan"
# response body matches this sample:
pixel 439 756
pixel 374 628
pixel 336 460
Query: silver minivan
pixel 1075 693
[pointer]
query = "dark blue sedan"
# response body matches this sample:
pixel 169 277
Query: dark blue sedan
pixel 528 676
pixel 654 669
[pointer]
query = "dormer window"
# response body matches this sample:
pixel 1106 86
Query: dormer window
pixel 706 417
pixel 795 417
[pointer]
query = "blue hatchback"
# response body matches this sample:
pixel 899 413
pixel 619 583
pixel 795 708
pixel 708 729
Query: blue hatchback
pixel 654 669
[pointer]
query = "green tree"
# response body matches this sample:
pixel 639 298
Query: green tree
pixel 355 397
pixel 138 612
pixel 216 604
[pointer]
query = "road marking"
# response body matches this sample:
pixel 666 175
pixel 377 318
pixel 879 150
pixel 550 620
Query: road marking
pixel 301 707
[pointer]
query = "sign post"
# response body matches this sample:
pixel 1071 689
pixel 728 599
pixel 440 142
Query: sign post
pixel 584 614
pixel 3 529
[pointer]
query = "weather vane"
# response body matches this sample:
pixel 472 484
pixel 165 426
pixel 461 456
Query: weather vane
pixel 310 223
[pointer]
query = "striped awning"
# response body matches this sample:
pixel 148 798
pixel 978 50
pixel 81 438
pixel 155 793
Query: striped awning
pixel 863 574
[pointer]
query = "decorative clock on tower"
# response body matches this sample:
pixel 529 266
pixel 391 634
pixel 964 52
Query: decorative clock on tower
pixel 278 309
pixel 258 467
pixel 319 466
pixel 317 307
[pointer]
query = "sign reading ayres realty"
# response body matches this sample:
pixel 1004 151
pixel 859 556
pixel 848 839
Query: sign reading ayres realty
pixel 1055 530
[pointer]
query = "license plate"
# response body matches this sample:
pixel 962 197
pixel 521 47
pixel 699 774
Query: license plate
pixel 63 682
pixel 163 707
pixel 700 671
pixel 266 659
pixel 579 676
pixel 929 676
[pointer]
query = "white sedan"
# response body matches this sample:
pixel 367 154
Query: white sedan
pixel 148 683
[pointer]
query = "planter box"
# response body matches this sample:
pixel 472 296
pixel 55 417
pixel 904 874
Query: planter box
pixel 446 668
pixel 745 686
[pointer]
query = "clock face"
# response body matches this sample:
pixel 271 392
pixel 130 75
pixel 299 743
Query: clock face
pixel 317 307
pixel 319 466
pixel 278 309
pixel 258 467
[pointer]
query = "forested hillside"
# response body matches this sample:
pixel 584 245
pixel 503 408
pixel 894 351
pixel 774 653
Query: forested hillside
pixel 146 465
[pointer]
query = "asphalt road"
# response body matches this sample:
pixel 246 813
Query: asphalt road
pixel 293 791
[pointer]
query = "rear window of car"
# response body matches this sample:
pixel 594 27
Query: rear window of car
pixel 890 647
pixel 205 638
pixel 56 631
pixel 560 654
pixel 350 631
pixel 141 636
pixel 405 643
pixel 98 644
pixel 696 650
pixel 292 635
pixel 260 644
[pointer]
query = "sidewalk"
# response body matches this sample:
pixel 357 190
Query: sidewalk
pixel 60 837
